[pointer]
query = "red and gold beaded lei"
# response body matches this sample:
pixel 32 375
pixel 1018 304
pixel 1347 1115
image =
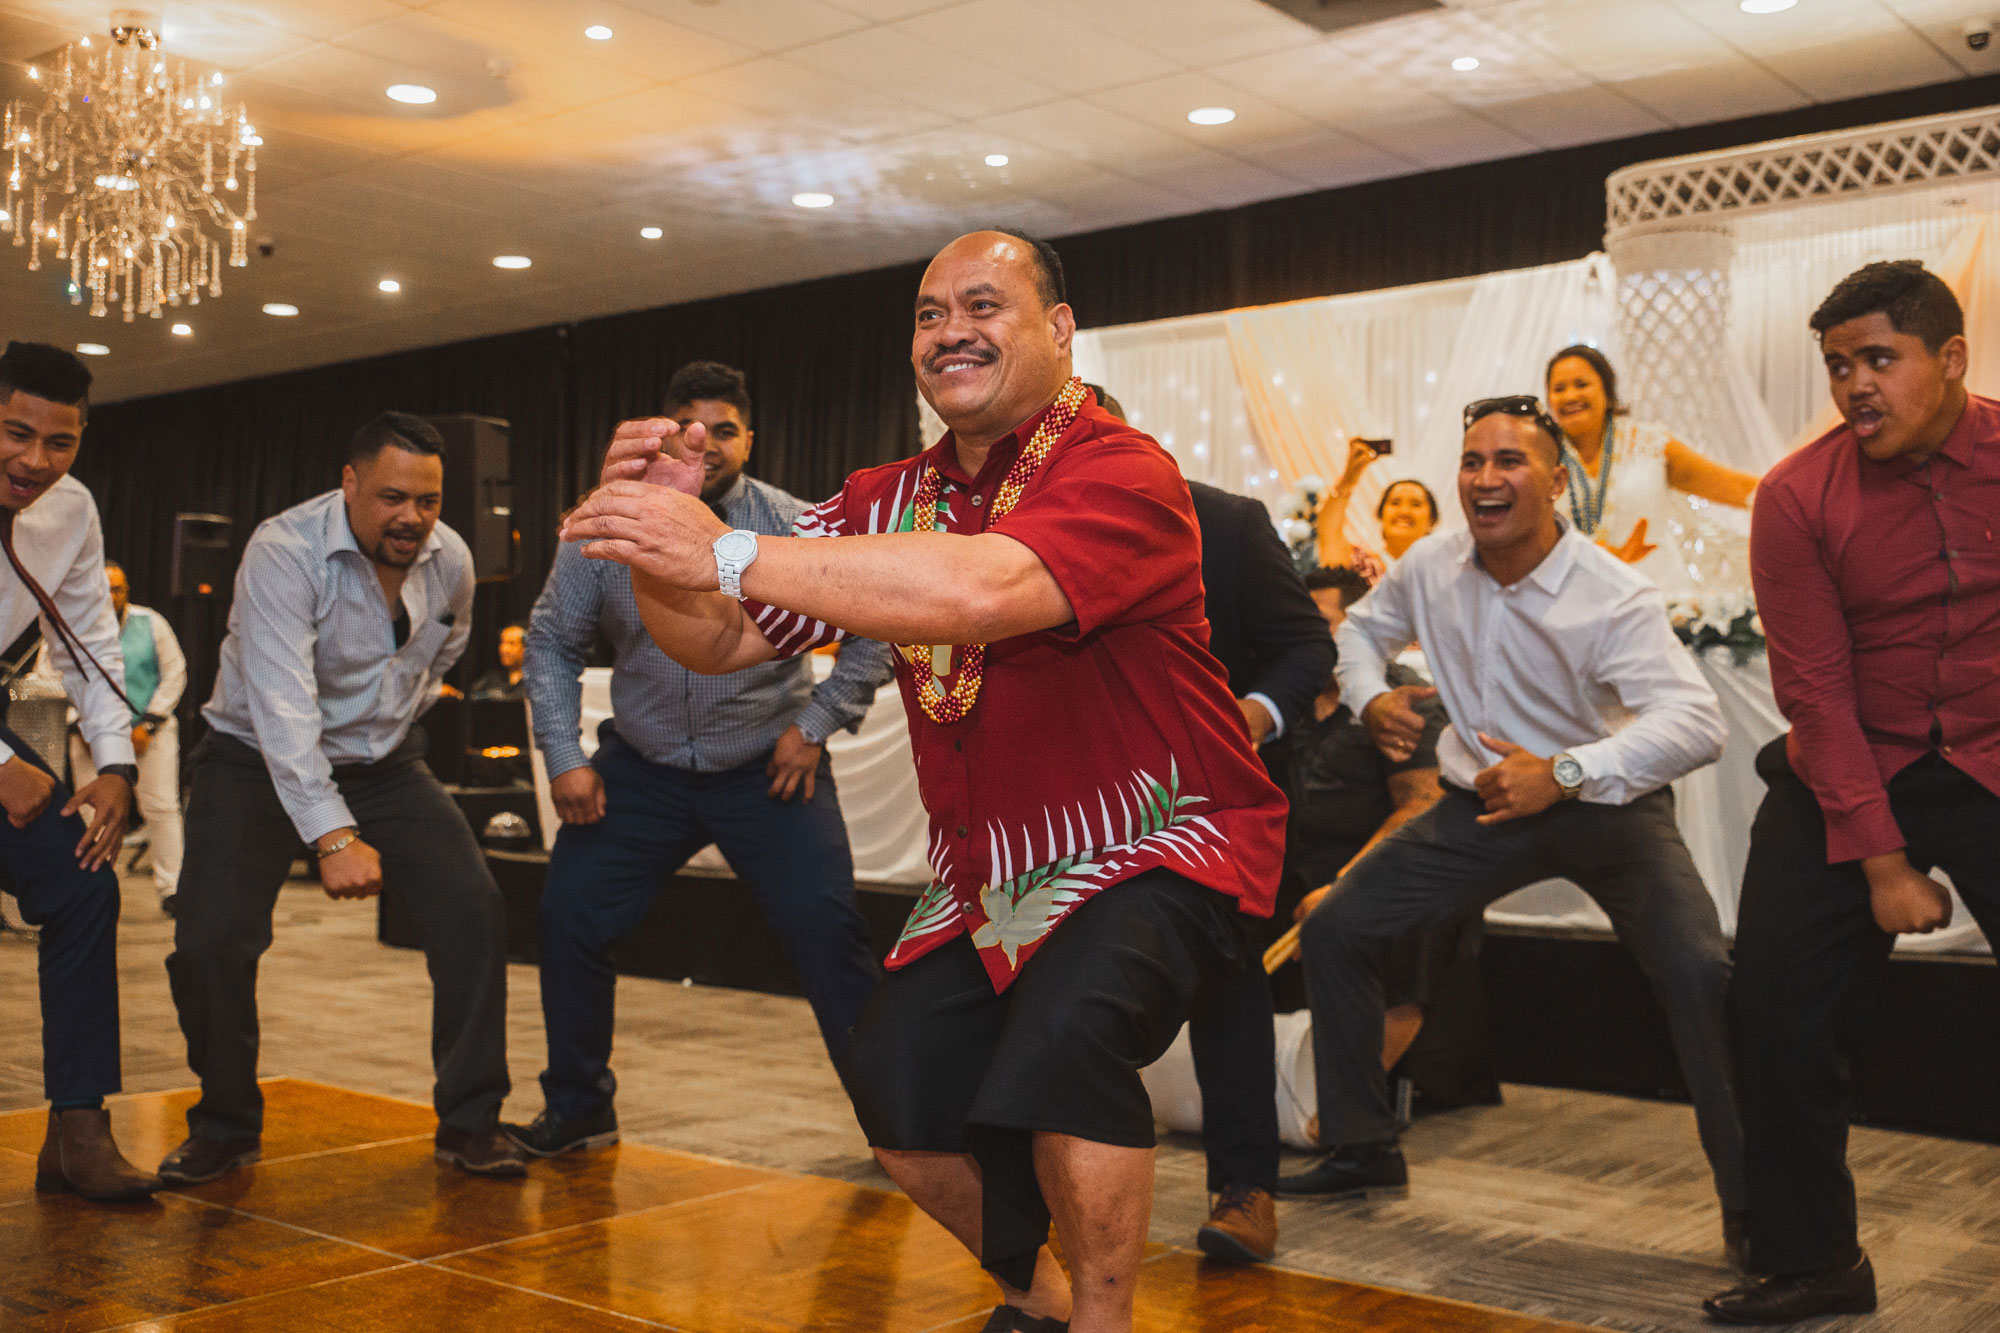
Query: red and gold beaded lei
pixel 939 706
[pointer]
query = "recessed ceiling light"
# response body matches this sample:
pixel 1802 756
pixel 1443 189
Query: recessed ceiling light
pixel 1465 64
pixel 413 93
pixel 183 330
pixel 996 159
pixel 280 309
pixel 1766 6
pixel 93 349
pixel 389 285
pixel 813 199
pixel 651 233
pixel 1211 115
pixel 511 261
pixel 597 32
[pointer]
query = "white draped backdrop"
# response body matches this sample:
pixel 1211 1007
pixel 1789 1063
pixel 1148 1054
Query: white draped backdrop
pixel 1252 400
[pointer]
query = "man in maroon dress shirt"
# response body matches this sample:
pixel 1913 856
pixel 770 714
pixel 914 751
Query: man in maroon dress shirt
pixel 1878 577
pixel 1099 823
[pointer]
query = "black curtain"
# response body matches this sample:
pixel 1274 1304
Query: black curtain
pixel 827 360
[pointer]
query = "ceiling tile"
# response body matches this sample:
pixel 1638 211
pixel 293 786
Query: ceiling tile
pixel 1032 43
pixel 892 62
pixel 1094 134
pixel 1585 114
pixel 884 11
pixel 509 74
pixel 1329 85
pixel 1324 158
pixel 1195 32
pixel 1165 103
pixel 818 102
pixel 766 26
pixel 1219 181
pixel 642 46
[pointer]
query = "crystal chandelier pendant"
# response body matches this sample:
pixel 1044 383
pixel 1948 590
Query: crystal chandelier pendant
pixel 132 172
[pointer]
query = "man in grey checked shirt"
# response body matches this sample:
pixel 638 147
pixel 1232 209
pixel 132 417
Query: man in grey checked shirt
pixel 737 760
pixel 349 609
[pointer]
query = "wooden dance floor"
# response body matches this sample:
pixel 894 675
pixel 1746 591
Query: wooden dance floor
pixel 348 1224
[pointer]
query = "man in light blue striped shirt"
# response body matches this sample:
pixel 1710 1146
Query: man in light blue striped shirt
pixel 349 610
pixel 737 760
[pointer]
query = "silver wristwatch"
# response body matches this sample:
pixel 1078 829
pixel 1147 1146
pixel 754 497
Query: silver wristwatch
pixel 734 552
pixel 1568 775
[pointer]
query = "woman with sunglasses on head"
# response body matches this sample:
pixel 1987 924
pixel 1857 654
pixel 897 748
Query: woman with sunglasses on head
pixel 1621 470
pixel 1407 511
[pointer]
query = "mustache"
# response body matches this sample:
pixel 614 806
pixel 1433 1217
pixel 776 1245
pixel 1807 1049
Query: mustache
pixel 986 356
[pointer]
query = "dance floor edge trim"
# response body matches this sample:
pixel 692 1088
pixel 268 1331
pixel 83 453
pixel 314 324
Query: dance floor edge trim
pixel 349 1223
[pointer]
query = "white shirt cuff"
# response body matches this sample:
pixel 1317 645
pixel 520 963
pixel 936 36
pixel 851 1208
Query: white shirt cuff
pixel 1277 718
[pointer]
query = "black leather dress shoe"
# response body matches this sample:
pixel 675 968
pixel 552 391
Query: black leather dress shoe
pixel 198 1161
pixel 1786 1300
pixel 1357 1169
pixel 551 1134
pixel 486 1153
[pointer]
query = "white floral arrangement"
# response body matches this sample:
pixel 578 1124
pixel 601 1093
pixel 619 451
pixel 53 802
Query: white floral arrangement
pixel 1298 521
pixel 1718 618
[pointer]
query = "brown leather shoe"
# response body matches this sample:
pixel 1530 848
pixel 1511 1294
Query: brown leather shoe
pixel 1242 1229
pixel 198 1161
pixel 80 1156
pixel 487 1153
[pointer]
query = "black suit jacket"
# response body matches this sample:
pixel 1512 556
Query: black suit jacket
pixel 1263 626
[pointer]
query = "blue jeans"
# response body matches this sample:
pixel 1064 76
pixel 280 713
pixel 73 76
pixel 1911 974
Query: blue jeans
pixel 604 876
pixel 77 911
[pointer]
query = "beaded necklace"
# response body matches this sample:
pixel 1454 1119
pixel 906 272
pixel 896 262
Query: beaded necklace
pixel 1587 508
pixel 939 706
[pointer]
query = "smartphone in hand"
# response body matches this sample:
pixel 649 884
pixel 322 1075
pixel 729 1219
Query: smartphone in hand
pixel 1382 448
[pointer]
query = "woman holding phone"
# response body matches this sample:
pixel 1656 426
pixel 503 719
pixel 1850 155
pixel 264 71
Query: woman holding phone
pixel 1407 511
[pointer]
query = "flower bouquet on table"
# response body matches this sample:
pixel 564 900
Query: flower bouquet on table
pixel 1298 523
pixel 1718 618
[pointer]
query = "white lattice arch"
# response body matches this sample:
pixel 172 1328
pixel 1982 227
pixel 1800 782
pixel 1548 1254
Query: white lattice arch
pixel 1707 189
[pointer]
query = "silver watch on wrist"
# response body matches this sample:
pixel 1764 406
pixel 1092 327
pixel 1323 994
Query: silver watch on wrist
pixel 734 552
pixel 1568 775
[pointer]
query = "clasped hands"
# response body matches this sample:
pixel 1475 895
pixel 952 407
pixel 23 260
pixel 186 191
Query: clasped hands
pixel 1521 784
pixel 646 511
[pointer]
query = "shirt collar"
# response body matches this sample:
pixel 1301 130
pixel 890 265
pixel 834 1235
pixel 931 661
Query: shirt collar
pixel 944 454
pixel 732 495
pixel 1555 566
pixel 1977 422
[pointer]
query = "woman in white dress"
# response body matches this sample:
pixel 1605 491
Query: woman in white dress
pixel 1623 473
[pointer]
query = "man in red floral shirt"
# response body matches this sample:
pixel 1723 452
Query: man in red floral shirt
pixel 1099 823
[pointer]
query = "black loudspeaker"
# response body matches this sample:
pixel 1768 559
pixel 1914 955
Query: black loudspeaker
pixel 479 490
pixel 201 555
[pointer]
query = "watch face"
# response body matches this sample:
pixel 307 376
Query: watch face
pixel 1568 772
pixel 736 546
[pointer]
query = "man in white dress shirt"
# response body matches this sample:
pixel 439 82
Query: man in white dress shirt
pixel 1573 706
pixel 349 610
pixel 58 870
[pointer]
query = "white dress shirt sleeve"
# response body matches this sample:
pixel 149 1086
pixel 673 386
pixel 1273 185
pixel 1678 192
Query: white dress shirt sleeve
pixel 1677 725
pixel 173 669
pixel 277 635
pixel 1376 628
pixel 84 598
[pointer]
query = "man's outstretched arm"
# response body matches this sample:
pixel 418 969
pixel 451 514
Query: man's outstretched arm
pixel 938 588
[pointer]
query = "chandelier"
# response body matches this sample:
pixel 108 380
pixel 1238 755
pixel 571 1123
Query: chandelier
pixel 124 169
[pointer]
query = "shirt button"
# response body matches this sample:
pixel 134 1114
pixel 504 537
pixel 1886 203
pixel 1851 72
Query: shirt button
pixel 958 745
pixel 978 501
pixel 961 830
